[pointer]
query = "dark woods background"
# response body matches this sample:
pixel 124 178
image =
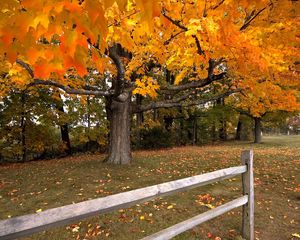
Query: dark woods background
pixel 46 123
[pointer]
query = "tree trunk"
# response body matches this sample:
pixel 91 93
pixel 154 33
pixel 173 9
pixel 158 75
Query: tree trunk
pixel 257 130
pixel 155 114
pixel 168 123
pixel 239 129
pixel 213 131
pixel 23 127
pixel 64 128
pixel 222 123
pixel 23 139
pixel 195 131
pixel 139 121
pixel 119 137
pixel 223 130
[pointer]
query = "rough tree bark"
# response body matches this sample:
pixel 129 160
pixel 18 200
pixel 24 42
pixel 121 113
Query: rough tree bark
pixel 257 130
pixel 119 112
pixel 119 138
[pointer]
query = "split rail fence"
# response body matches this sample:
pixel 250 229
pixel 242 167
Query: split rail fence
pixel 32 223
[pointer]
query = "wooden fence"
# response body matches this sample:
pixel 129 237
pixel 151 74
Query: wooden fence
pixel 29 224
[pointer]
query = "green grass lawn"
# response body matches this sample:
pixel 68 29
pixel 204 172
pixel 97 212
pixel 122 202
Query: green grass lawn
pixel 37 186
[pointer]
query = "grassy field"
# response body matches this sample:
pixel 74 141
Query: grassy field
pixel 37 186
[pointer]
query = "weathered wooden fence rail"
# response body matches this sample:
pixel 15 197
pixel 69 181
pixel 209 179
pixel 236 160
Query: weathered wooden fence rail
pixel 29 224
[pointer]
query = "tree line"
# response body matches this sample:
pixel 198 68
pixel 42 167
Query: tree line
pixel 46 123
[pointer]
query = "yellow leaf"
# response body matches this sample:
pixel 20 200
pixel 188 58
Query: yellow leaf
pixel 170 207
pixel 39 210
pixel 142 217
pixel 42 19
pixel 180 76
pixel 75 229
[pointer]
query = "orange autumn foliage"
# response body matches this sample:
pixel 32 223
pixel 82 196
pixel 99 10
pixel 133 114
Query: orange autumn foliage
pixel 257 39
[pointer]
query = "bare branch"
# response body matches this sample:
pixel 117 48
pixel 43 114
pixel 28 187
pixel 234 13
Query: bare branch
pixel 217 5
pixel 253 16
pixel 26 66
pixel 178 24
pixel 172 37
pixel 70 90
pixel 194 84
pixel 116 23
pixel 205 10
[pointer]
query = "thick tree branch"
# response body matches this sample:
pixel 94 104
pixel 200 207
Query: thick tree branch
pixel 26 66
pixel 70 90
pixel 87 90
pixel 172 103
pixel 195 84
pixel 118 85
pixel 247 113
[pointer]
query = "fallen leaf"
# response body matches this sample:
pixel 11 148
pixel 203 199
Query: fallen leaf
pixel 297 235
pixel 76 229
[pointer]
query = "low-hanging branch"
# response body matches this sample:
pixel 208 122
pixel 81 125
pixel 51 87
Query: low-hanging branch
pixel 70 90
pixel 87 90
pixel 180 103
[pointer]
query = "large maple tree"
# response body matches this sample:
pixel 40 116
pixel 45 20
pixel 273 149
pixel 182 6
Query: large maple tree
pixel 175 53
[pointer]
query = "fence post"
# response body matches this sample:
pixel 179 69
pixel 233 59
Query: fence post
pixel 248 189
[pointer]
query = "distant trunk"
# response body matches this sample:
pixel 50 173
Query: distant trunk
pixel 239 129
pixel 64 128
pixel 168 123
pixel 139 120
pixel 213 131
pixel 222 121
pixel 23 128
pixel 119 136
pixel 223 130
pixel 195 137
pixel 23 139
pixel 155 114
pixel 181 138
pixel 168 120
pixel 257 130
